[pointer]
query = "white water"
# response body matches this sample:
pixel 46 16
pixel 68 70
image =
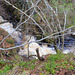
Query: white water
pixel 43 50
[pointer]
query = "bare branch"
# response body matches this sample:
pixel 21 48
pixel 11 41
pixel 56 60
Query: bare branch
pixel 39 40
pixel 25 14
pixel 47 4
pixel 17 27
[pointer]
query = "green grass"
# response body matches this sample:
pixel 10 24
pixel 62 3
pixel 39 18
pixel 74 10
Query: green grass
pixel 9 41
pixel 52 64
pixel 28 65
pixel 5 68
pixel 57 61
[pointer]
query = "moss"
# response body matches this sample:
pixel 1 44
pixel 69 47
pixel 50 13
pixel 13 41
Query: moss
pixel 51 65
pixel 9 41
pixel 28 65
pixel 48 40
pixel 57 62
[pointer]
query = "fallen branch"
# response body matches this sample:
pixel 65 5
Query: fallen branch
pixel 50 36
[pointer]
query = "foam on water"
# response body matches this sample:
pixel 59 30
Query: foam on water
pixel 43 50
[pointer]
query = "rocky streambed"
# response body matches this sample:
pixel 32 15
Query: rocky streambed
pixel 43 50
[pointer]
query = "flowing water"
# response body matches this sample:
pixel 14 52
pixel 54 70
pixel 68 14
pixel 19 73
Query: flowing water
pixel 69 43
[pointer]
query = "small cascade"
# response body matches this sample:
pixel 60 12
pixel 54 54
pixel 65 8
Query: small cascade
pixel 43 50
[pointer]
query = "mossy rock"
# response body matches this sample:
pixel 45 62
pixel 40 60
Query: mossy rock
pixel 7 43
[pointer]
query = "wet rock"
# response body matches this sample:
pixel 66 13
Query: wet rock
pixel 9 28
pixel 66 51
pixel 43 50
pixel 1 19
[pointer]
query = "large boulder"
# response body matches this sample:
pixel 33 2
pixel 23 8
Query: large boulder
pixel 8 27
pixel 5 29
pixel 7 43
pixel 1 19
pixel 43 50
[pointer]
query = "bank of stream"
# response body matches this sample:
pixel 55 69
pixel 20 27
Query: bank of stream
pixel 69 42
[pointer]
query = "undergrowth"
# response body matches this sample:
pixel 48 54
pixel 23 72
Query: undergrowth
pixel 57 62
pixel 51 65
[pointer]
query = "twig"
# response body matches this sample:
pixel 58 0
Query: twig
pixel 39 40
pixel 17 27
pixel 26 15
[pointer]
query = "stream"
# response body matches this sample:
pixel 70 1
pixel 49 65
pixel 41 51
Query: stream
pixel 69 42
